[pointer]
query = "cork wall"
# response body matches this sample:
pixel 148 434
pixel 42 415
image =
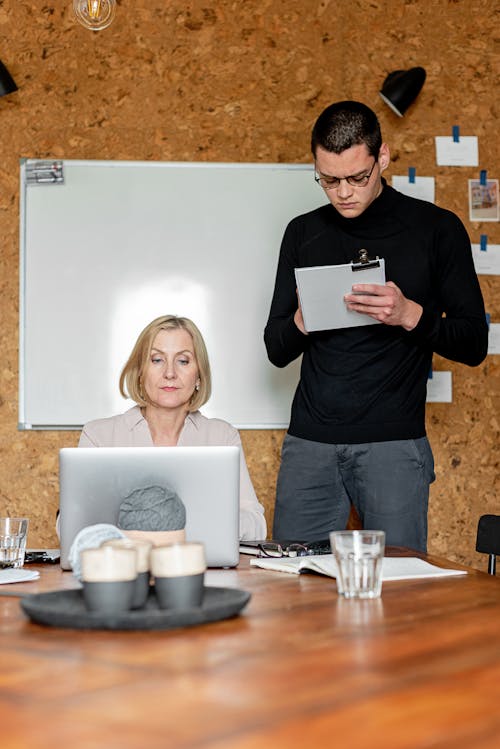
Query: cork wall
pixel 219 80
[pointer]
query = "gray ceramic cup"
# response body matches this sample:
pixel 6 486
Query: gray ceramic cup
pixel 179 572
pixel 108 579
pixel 143 551
pixel 109 597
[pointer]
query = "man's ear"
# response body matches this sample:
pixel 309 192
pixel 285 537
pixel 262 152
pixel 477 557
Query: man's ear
pixel 384 157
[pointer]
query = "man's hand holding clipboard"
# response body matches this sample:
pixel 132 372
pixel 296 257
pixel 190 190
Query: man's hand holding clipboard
pixel 385 304
pixel 351 295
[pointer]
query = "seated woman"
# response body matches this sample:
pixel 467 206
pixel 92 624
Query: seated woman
pixel 168 376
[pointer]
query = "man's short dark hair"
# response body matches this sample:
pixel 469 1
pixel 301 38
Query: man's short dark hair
pixel 346 124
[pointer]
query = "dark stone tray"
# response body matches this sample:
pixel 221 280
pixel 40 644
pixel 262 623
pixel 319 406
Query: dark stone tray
pixel 66 608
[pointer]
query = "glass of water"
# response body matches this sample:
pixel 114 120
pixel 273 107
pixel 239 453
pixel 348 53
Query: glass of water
pixel 359 556
pixel 13 535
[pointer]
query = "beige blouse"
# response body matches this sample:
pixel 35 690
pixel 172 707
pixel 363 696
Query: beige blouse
pixel 131 429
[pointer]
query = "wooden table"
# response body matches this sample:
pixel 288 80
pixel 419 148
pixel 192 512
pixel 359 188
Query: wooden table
pixel 420 667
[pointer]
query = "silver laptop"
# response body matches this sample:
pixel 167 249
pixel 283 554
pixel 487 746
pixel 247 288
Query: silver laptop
pixel 94 481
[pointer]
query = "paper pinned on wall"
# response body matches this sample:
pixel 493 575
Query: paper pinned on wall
pixel 494 338
pixel 439 388
pixel 487 262
pixel 462 152
pixel 422 188
pixel 483 200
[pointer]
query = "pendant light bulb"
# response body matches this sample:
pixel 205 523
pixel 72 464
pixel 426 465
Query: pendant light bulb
pixel 94 14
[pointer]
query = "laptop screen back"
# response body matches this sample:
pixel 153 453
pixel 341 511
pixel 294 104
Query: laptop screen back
pixel 93 482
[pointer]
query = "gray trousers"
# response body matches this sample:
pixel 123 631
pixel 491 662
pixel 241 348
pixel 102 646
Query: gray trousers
pixel 387 482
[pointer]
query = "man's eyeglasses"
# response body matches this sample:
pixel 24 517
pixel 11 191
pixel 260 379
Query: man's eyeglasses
pixel 331 183
pixel 277 550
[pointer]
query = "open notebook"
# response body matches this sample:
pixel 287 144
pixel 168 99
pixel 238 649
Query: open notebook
pixel 393 568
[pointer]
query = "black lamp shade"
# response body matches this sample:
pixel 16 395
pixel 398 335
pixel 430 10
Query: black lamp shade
pixel 7 84
pixel 401 88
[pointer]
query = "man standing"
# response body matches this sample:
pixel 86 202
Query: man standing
pixel 357 429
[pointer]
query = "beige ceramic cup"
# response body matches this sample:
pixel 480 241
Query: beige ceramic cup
pixel 179 572
pixel 143 550
pixel 108 578
pixel 158 538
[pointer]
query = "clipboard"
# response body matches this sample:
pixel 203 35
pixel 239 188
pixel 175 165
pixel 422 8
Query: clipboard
pixel 322 288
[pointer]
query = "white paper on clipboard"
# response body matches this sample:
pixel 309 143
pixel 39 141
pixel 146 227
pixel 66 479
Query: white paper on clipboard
pixel 322 289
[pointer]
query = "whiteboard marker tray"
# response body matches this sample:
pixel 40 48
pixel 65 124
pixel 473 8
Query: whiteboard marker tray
pixel 66 608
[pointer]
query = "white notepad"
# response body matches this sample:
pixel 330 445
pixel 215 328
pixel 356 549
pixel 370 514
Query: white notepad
pixel 18 576
pixel 322 288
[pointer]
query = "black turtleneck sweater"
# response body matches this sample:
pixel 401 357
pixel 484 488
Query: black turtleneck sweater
pixel 368 384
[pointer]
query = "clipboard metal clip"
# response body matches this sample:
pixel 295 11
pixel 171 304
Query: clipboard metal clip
pixel 364 262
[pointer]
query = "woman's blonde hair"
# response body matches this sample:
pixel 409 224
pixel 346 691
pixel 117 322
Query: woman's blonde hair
pixel 130 378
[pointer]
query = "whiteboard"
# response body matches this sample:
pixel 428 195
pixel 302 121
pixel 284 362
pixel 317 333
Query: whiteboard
pixel 120 243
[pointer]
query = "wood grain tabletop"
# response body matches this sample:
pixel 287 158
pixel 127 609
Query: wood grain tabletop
pixel 300 666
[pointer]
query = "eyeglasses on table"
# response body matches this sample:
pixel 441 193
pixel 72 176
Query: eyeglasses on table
pixel 272 549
